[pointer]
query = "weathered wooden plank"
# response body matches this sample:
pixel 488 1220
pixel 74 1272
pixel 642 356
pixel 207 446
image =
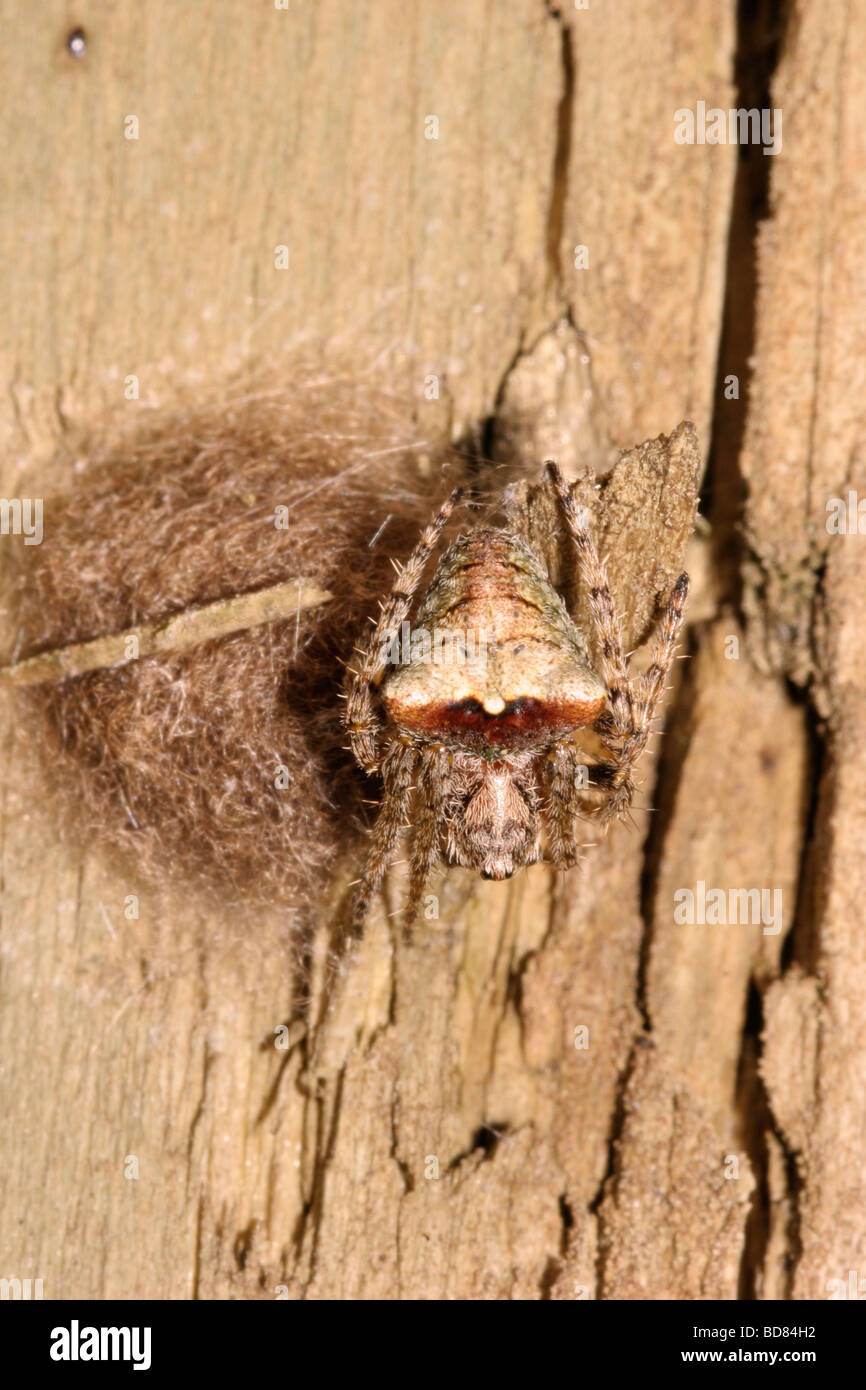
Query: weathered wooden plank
pixel 805 597
pixel 152 1038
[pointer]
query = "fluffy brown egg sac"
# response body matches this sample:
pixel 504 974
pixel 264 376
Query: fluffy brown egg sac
pixel 224 765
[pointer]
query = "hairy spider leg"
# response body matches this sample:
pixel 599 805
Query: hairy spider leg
pixel 398 768
pixel 433 788
pixel 614 667
pixel 632 706
pixel 648 689
pixel 362 722
pixel 563 802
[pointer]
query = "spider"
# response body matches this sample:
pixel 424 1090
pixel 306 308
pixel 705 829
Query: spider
pixel 484 741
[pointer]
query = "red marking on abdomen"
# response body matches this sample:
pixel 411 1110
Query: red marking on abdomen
pixel 522 723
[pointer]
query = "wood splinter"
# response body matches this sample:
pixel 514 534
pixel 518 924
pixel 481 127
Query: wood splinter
pixel 187 629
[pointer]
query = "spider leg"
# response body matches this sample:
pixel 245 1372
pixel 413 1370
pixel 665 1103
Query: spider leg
pixel 651 683
pixel 361 719
pixel 614 668
pixel 648 689
pixel 563 803
pixel 398 766
pixel 625 727
pixel 433 784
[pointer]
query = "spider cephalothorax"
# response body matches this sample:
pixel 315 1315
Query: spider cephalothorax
pixel 472 716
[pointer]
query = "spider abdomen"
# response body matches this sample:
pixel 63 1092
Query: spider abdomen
pixel 494 661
